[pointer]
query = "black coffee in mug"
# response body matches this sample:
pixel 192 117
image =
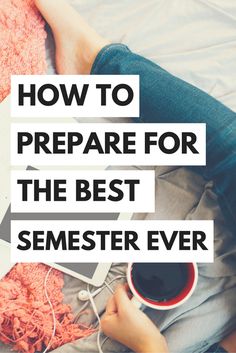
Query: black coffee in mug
pixel 160 282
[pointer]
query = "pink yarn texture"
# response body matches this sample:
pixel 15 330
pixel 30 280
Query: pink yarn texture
pixel 26 321
pixel 22 41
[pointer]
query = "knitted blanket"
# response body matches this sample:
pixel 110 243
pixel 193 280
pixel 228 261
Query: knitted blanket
pixel 22 41
pixel 26 320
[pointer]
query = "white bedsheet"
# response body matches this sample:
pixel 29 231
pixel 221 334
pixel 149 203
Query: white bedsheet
pixel 193 39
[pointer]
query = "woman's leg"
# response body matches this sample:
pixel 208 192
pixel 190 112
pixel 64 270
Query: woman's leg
pixel 77 44
pixel 164 97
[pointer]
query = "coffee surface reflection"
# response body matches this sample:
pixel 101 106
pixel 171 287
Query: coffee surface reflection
pixel 159 281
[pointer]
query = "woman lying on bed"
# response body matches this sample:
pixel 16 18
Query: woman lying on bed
pixel 164 99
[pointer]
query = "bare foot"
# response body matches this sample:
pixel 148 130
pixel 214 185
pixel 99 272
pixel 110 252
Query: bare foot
pixel 77 44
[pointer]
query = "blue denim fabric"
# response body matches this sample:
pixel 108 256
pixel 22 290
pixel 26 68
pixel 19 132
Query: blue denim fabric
pixel 165 98
pixel 216 349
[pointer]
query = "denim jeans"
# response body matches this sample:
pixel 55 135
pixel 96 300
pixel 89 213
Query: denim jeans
pixel 216 349
pixel 165 98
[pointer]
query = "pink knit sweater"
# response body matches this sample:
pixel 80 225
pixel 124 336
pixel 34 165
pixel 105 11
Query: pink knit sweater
pixel 26 321
pixel 22 41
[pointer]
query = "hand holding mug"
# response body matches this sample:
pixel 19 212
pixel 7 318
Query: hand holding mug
pixel 127 324
pixel 159 286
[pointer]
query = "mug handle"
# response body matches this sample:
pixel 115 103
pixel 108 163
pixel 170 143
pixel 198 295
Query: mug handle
pixel 137 303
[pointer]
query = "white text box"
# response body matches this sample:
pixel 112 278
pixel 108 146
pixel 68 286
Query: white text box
pixel 112 241
pixel 45 96
pixel 93 144
pixel 111 191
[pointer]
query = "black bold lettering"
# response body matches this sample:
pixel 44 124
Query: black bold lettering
pixel 129 98
pixel 113 188
pixel 132 183
pixel 149 142
pixel 115 240
pixel 127 143
pixel 152 240
pixel 37 240
pixel 22 237
pixel 97 190
pixel 30 94
pixel 24 184
pixel 183 241
pixel 68 99
pixel 82 187
pixel 130 240
pixel 57 143
pixel 58 190
pixel 189 144
pixel 23 139
pixel 73 240
pixel 93 143
pixel 111 141
pixel 91 242
pixel 41 140
pixel 103 88
pixel 42 190
pixel 168 244
pixel 198 240
pixel 162 143
pixel 103 234
pixel 55 242
pixel 74 139
pixel 55 97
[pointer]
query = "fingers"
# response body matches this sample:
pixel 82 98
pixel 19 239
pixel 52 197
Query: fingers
pixel 111 307
pixel 121 296
pixel 126 287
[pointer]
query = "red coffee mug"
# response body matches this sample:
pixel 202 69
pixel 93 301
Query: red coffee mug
pixel 139 300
